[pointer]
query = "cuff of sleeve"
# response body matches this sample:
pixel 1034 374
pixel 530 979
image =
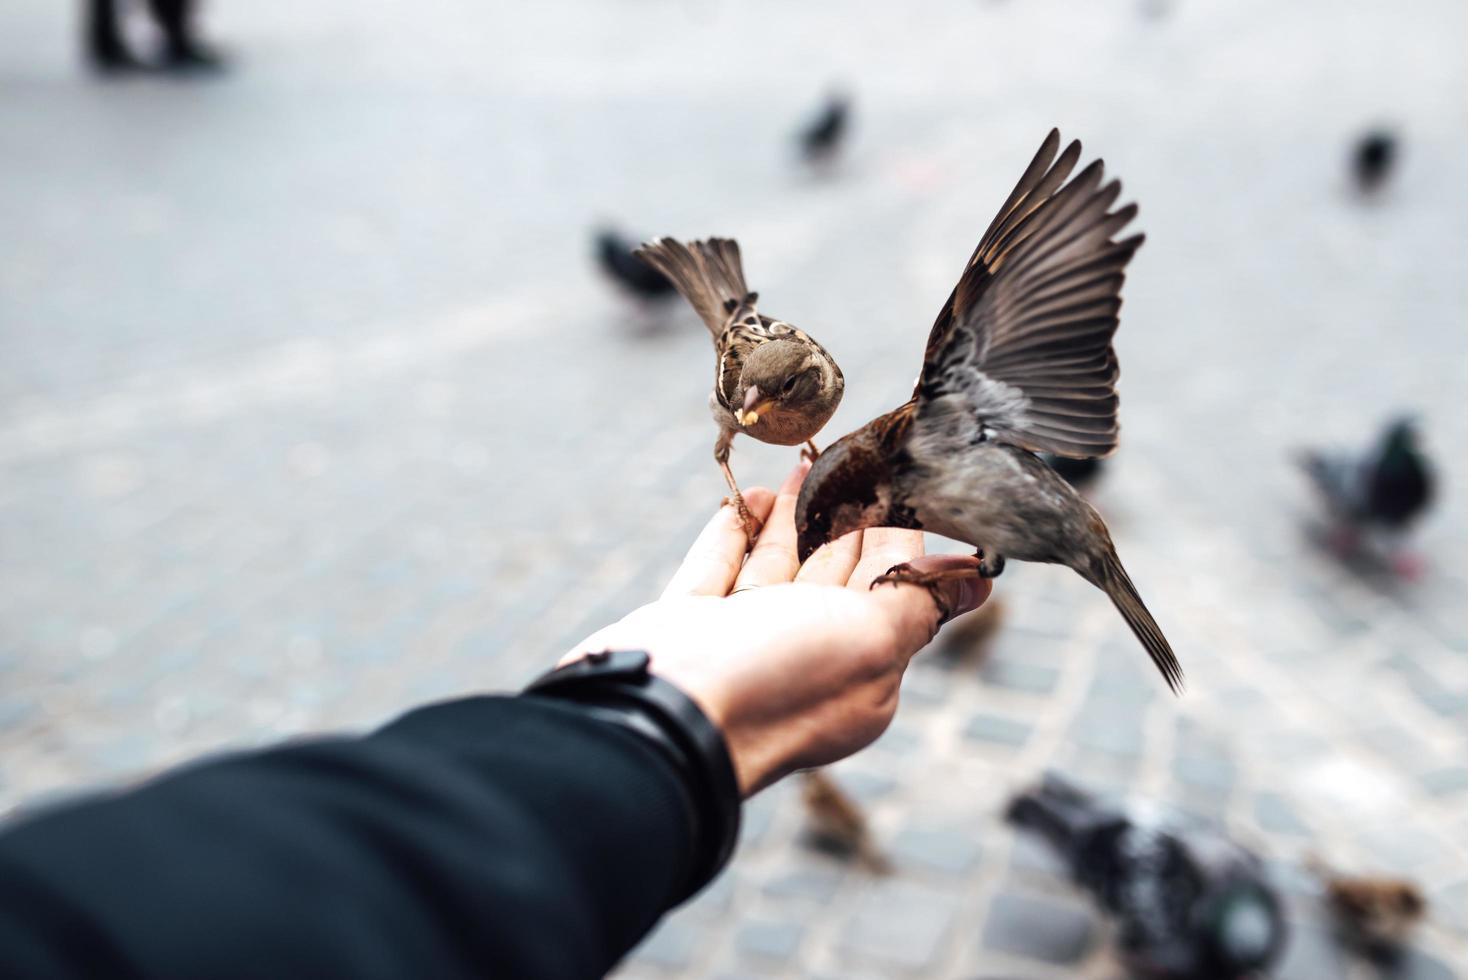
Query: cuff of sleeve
pixel 618 687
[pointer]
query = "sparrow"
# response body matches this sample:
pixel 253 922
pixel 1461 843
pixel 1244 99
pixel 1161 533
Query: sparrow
pixel 1079 473
pixel 1018 362
pixel 614 255
pixel 772 380
pixel 1372 159
pixel 821 137
pixel 1376 913
pixel 1190 904
pixel 1385 489
pixel 835 822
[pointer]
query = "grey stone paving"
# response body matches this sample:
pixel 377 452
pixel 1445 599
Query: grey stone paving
pixel 311 408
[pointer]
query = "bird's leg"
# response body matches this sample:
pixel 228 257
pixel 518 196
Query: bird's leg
pixel 1408 565
pixel 905 574
pixel 989 567
pixel 809 452
pixel 1345 540
pixel 721 456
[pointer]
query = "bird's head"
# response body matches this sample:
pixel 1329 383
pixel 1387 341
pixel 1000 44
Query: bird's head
pixel 848 488
pixel 782 376
pixel 1401 434
pixel 609 243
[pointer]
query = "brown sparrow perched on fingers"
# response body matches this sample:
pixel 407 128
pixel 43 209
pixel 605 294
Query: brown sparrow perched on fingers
pixel 1018 362
pixel 772 380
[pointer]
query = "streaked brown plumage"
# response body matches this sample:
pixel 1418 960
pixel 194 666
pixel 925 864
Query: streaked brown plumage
pixel 772 380
pixel 1380 911
pixel 1376 911
pixel 835 821
pixel 1018 362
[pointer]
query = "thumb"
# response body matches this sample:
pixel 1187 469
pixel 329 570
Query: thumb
pixel 918 610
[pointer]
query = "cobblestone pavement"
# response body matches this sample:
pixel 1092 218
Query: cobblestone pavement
pixel 311 408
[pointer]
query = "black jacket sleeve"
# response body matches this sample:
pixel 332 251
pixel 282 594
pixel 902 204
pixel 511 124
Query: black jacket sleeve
pixel 488 837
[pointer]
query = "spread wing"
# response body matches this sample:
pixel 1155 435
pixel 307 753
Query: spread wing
pixel 1023 345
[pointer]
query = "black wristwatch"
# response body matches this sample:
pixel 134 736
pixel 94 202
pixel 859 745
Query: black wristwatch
pixel 616 686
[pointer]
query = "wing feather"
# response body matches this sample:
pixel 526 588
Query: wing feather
pixel 1039 180
pixel 1024 342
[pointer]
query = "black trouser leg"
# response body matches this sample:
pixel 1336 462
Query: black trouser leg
pixel 104 37
pixel 173 20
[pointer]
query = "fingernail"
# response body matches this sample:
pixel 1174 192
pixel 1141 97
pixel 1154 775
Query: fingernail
pixel 968 597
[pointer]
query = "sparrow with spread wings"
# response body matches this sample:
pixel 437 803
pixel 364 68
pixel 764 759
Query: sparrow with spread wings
pixel 1019 362
pixel 772 381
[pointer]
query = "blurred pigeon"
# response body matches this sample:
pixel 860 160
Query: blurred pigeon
pixel 1373 158
pixel 1189 903
pixel 615 255
pixel 1376 912
pixel 1079 473
pixel 821 138
pixel 836 823
pixel 1018 361
pixel 773 380
pixel 1386 489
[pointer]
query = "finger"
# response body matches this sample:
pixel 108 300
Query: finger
pixel 915 611
pixel 773 559
pixel 881 548
pixel 833 563
pixel 713 561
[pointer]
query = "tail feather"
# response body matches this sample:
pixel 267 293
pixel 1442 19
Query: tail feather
pixel 709 274
pixel 1316 467
pixel 1113 579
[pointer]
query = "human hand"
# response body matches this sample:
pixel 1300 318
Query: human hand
pixel 798 665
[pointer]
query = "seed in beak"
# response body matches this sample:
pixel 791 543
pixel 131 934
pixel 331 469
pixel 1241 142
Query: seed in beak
pixel 750 414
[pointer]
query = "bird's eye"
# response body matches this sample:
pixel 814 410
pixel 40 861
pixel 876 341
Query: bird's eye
pixel 790 384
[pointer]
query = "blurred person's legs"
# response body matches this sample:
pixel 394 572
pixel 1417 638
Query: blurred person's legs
pixel 181 48
pixel 105 45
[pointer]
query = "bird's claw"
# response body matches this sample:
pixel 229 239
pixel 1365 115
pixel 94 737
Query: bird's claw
pixel 1408 566
pixel 810 453
pixel 989 567
pixel 752 525
pixel 896 575
pixel 905 574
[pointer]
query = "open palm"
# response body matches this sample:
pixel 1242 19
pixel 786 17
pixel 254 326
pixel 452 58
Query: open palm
pixel 799 665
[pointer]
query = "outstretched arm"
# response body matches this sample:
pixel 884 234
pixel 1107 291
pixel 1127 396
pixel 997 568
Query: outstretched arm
pixel 491 836
pixel 798 664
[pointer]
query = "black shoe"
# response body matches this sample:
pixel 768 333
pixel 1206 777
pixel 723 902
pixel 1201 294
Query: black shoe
pixel 192 56
pixel 114 59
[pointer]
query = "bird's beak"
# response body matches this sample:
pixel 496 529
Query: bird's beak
pixel 753 407
pixel 805 546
